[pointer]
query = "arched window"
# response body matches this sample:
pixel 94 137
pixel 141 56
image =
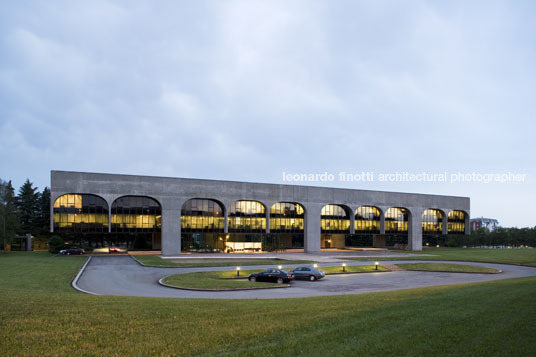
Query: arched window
pixel 136 214
pixel 334 219
pixel 456 222
pixel 286 217
pixel 396 220
pixel 202 215
pixel 74 212
pixel 367 219
pixel 247 216
pixel 432 221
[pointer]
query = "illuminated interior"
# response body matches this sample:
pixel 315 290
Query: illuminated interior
pixel 80 213
pixel 456 222
pixel 334 224
pixel 136 214
pixel 247 223
pixel 287 224
pixel 202 225
pixel 367 219
pixel 396 220
pixel 432 221
pixel 247 216
pixel 334 219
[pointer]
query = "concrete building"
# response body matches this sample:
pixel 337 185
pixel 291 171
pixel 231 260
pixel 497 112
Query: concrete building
pixel 197 215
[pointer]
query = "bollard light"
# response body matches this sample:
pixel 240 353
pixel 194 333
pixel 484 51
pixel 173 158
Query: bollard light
pixel 376 264
pixel 427 244
pixel 237 271
pixel 437 246
pixel 279 267
pixel 344 267
pixel 315 265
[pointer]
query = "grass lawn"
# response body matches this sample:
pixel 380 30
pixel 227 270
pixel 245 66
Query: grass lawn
pixel 455 268
pixel 507 256
pixel 41 315
pixel 217 280
pixel 155 260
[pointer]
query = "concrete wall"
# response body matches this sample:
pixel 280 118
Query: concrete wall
pixel 173 192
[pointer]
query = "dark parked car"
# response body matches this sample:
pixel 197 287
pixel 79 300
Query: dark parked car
pixel 72 251
pixel 279 276
pixel 308 273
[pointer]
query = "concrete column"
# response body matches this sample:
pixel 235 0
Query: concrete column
pixel 171 227
pixel 109 219
pixel 312 228
pixel 352 220
pixel 467 223
pixel 382 221
pixel 415 229
pixel 225 220
pixel 267 213
pixel 444 222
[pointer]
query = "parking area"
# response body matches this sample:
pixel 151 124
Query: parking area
pixel 123 276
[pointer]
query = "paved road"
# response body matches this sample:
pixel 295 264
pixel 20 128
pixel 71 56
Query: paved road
pixel 123 276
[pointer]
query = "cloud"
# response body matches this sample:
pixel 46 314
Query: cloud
pixel 244 90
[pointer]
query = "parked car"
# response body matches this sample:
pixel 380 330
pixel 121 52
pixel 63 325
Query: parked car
pixel 72 251
pixel 308 273
pixel 113 249
pixel 279 276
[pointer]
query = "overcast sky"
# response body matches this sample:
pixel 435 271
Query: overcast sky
pixel 248 90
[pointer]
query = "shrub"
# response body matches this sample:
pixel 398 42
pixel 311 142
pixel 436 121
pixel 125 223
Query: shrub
pixel 55 244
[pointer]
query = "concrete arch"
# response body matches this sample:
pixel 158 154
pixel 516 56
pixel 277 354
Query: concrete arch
pixel 453 227
pixel 381 219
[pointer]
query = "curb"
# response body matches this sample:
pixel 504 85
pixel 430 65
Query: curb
pixel 75 280
pixel 360 272
pixel 225 290
pixel 457 272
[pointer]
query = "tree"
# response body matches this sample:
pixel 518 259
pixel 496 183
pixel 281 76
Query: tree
pixel 9 219
pixel 43 213
pixel 27 202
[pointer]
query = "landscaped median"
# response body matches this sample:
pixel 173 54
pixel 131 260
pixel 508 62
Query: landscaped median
pixel 217 280
pixel 449 268
pixel 230 280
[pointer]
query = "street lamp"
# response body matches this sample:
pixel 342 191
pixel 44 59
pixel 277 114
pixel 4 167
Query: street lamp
pixel 237 272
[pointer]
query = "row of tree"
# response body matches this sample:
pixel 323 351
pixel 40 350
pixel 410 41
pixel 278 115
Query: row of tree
pixel 28 211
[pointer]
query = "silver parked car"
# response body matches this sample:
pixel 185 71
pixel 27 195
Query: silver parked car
pixel 308 273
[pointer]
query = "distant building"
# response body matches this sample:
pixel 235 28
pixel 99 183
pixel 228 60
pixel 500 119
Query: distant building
pixel 489 223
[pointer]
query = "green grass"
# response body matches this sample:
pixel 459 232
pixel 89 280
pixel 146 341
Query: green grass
pixel 507 256
pixel 41 315
pixel 455 268
pixel 219 280
pixel 154 260
pixel 352 269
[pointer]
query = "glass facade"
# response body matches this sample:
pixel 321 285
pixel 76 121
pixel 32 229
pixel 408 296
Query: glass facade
pixel 247 216
pixel 334 219
pixel 286 217
pixel 201 215
pixel 136 214
pixel 396 221
pixel 80 213
pixel 367 220
pixel 202 226
pixel 456 222
pixel 432 221
pixel 287 225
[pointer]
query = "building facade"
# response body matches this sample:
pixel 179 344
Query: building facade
pixel 179 214
pixel 490 224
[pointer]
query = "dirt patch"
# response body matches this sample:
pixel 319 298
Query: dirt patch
pixel 393 267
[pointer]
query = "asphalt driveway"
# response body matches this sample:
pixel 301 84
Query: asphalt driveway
pixel 123 276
